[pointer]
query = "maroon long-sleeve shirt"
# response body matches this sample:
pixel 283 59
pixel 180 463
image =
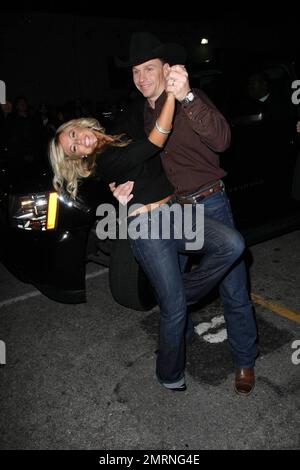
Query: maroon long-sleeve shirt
pixel 190 157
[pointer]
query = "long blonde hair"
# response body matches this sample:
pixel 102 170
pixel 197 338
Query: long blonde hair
pixel 67 172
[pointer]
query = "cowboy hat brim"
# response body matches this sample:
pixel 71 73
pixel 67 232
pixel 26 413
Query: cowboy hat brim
pixel 172 53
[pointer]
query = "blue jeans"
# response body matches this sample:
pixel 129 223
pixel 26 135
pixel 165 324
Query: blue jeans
pixel 238 309
pixel 159 258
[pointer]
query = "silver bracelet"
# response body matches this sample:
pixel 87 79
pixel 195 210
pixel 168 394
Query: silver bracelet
pixel 161 130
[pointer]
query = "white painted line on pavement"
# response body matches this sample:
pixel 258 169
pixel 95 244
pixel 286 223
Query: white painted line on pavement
pixel 96 273
pixel 205 326
pixel 219 336
pixel 36 292
pixel 20 298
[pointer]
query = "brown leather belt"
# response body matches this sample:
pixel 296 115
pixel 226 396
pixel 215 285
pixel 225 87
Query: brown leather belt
pixel 201 194
pixel 151 206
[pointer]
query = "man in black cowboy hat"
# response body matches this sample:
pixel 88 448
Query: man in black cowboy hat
pixel 191 162
pixel 144 46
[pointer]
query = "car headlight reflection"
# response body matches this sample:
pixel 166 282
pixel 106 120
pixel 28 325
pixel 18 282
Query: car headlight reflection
pixel 34 212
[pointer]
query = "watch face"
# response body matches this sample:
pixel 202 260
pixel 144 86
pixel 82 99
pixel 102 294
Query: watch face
pixel 188 98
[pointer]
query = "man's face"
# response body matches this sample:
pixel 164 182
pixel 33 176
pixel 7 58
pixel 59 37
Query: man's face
pixel 149 78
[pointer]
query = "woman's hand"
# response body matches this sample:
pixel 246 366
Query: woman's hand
pixel 122 192
pixel 177 82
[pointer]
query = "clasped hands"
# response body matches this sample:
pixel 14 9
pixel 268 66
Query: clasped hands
pixel 177 81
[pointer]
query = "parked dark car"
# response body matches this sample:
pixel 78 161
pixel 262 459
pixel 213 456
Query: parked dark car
pixel 44 237
pixel 47 239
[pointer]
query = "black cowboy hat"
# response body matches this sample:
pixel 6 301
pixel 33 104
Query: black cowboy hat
pixel 145 46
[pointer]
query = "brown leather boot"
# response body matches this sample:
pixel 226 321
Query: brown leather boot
pixel 244 380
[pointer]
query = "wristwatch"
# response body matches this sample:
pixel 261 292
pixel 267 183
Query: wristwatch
pixel 188 98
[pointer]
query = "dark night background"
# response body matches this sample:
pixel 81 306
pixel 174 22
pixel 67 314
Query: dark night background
pixel 56 53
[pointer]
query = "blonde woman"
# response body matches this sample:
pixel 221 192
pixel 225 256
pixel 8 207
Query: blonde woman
pixel 80 148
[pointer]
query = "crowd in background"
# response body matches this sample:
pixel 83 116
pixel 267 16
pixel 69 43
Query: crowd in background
pixel 25 130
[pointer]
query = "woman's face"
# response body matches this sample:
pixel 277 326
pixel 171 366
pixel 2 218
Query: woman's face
pixel 78 141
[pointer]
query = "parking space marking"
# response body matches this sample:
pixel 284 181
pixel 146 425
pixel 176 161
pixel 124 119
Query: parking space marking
pixel 217 337
pixel 20 298
pixel 36 292
pixel 96 273
pixel 276 308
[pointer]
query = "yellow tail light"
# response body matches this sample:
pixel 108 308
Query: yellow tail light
pixel 52 211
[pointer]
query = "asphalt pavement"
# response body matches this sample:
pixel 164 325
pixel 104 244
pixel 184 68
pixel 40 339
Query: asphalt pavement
pixel 83 376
